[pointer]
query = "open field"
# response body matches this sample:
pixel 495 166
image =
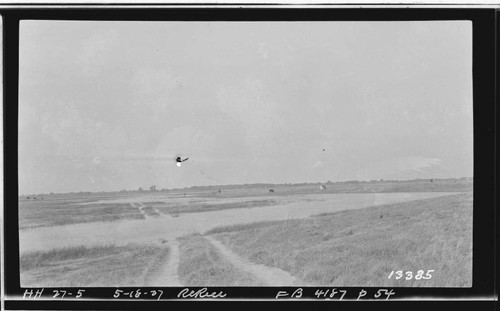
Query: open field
pixel 207 237
pixel 169 228
pixel 109 265
pixel 362 247
pixel 203 206
pixel 57 212
pixel 51 211
pixel 437 185
pixel 72 208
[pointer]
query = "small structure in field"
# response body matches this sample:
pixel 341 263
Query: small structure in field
pixel 322 187
pixel 271 190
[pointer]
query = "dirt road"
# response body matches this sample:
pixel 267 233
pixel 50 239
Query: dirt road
pixel 268 275
pixel 168 275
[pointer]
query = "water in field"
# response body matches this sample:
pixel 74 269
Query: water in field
pixel 167 227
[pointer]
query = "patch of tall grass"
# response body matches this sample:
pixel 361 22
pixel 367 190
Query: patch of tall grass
pixel 362 247
pixel 202 206
pixel 33 260
pixel 81 266
pixel 50 213
pixel 240 227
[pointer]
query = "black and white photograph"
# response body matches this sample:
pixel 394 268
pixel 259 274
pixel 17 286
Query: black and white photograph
pixel 247 153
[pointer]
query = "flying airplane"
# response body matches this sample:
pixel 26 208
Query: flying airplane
pixel 179 161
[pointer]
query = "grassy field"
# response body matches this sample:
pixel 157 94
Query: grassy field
pixel 362 247
pixel 56 212
pixel 203 206
pixel 131 265
pixel 381 186
pixel 349 248
pixel 60 209
pixel 202 265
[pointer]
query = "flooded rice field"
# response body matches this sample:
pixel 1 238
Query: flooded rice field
pixel 168 228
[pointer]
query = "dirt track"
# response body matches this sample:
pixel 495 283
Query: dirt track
pixel 268 275
pixel 168 275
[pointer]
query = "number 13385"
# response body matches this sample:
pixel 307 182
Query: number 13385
pixel 408 275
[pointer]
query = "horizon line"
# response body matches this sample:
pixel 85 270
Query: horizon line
pixel 247 184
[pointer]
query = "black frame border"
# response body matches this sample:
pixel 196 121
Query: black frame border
pixel 485 24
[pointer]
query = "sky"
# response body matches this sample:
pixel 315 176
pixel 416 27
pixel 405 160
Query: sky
pixel 108 105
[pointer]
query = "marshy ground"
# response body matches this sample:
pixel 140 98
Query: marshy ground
pixel 348 235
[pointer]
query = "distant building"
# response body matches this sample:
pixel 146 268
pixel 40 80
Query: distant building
pixel 152 188
pixel 323 188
